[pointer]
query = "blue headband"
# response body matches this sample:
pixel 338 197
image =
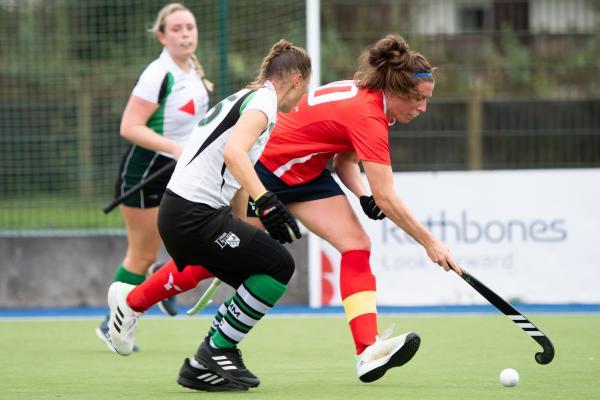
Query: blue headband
pixel 422 74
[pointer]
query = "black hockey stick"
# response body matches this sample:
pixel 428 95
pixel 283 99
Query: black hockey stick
pixel 111 206
pixel 543 357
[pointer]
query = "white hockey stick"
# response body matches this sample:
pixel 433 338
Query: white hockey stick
pixel 206 298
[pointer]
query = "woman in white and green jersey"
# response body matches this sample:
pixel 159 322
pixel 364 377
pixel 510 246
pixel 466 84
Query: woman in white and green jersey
pixel 202 221
pixel 168 101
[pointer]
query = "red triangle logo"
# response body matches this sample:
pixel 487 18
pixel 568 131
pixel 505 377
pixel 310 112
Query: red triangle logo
pixel 189 108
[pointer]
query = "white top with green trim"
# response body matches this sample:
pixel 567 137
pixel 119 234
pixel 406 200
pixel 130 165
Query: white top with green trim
pixel 201 175
pixel 182 97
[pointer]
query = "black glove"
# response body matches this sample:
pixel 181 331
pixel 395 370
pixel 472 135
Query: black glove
pixel 276 218
pixel 370 207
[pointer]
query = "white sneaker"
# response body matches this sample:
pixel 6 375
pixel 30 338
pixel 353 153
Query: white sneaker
pixel 384 354
pixel 123 320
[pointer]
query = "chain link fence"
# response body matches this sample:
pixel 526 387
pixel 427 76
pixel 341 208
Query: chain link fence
pixel 518 86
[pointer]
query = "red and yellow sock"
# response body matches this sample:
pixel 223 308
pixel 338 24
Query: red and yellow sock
pixel 358 289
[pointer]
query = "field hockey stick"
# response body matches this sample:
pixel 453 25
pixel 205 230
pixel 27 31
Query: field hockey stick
pixel 206 298
pixel 111 206
pixel 543 357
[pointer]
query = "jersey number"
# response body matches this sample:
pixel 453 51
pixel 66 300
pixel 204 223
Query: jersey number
pixel 213 112
pixel 335 91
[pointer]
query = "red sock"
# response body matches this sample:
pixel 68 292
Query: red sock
pixel 357 286
pixel 166 282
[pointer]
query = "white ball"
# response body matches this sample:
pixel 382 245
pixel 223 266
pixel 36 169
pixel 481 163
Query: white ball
pixel 509 377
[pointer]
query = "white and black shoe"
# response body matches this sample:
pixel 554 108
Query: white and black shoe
pixel 384 354
pixel 204 379
pixel 227 363
pixel 122 322
pixel 102 334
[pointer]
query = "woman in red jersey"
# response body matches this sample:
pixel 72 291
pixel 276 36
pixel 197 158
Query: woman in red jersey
pixel 349 121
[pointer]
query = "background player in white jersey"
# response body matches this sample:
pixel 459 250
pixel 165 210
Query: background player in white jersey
pixel 167 102
pixel 202 221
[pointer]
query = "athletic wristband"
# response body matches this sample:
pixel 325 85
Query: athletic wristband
pixel 261 195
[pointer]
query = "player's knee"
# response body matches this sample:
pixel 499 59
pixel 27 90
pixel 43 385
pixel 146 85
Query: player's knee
pixel 364 242
pixel 285 268
pixel 359 242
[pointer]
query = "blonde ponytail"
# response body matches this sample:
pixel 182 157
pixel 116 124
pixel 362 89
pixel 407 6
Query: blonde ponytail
pixel 200 70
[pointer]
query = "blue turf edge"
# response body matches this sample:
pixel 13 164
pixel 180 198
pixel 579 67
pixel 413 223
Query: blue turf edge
pixel 89 312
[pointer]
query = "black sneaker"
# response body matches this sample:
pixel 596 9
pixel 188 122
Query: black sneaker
pixel 168 305
pixel 102 333
pixel 205 379
pixel 226 362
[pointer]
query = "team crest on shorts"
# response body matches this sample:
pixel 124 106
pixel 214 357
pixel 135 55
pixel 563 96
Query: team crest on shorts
pixel 228 239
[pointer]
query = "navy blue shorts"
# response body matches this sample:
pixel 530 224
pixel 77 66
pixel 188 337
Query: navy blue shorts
pixel 321 187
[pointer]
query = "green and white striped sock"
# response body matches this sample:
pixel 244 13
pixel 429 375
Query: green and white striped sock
pixel 252 300
pixel 219 316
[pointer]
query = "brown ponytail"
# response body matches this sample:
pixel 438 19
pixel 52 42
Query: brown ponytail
pixel 391 66
pixel 283 59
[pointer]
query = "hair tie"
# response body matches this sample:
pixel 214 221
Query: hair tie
pixel 422 74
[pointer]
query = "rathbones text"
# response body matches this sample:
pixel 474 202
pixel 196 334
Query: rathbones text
pixel 469 230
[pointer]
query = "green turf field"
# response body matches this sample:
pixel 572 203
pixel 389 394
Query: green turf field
pixel 305 358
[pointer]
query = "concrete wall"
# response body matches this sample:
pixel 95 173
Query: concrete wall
pixel 68 271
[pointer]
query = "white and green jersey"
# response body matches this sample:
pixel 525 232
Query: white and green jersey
pixel 201 175
pixel 181 96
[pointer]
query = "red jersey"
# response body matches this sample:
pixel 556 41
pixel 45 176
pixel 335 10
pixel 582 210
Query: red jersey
pixel 335 118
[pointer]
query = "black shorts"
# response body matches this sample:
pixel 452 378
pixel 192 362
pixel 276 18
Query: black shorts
pixel 136 164
pixel 231 249
pixel 321 187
